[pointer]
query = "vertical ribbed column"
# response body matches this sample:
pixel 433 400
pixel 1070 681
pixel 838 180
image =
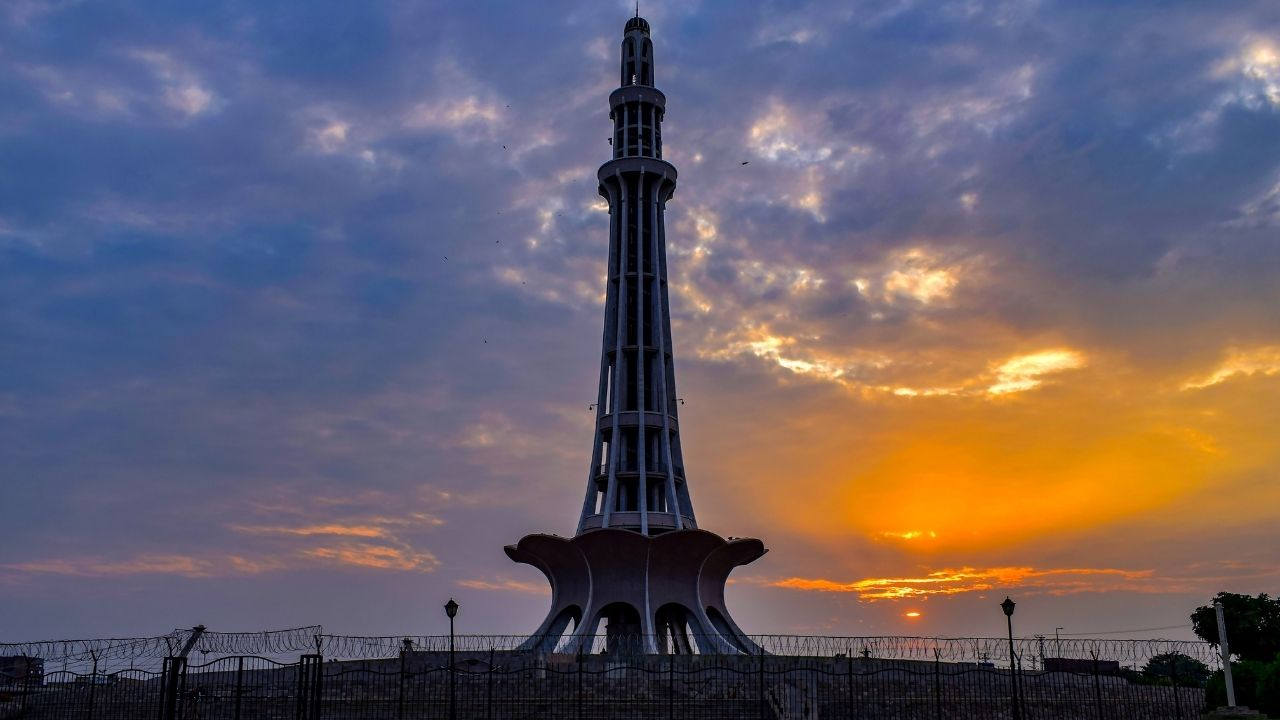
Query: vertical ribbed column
pixel 641 356
pixel 606 370
pixel 620 374
pixel 666 401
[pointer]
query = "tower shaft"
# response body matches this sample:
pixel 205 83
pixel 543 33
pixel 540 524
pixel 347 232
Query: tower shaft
pixel 636 478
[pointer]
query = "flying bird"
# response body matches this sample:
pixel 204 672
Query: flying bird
pixel 744 162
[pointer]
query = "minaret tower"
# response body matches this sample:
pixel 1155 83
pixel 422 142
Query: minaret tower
pixel 636 480
pixel 638 562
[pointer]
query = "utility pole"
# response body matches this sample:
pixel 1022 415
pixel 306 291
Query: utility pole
pixel 1226 654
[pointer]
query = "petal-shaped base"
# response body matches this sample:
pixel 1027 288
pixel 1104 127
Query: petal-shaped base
pixel 658 594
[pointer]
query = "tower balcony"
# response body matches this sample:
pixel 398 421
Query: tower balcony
pixel 637 94
pixel 631 418
pixel 630 470
pixel 630 520
pixel 649 349
pixel 636 164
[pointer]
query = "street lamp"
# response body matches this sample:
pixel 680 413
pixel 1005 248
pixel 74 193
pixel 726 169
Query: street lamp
pixel 1007 606
pixel 451 609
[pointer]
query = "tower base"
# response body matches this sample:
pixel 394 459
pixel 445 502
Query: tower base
pixel 660 594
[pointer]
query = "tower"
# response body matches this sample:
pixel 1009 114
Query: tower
pixel 636 479
pixel 638 562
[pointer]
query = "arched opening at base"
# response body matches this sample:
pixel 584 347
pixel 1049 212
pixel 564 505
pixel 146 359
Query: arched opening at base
pixel 559 628
pixel 673 625
pixel 622 631
pixel 556 631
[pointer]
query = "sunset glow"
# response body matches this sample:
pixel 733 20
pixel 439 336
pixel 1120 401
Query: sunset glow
pixel 300 310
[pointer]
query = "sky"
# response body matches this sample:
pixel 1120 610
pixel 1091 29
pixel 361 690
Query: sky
pixel 300 308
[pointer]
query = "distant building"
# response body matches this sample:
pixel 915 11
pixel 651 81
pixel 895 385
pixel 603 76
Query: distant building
pixel 21 670
pixel 1082 667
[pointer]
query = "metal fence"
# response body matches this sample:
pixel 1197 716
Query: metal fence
pixel 486 677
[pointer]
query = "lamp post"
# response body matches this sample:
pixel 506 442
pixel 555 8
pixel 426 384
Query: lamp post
pixel 451 609
pixel 1008 606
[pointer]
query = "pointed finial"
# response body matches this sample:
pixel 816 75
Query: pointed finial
pixel 637 8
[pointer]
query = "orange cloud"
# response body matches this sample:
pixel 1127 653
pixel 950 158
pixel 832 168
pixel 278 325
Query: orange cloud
pixel 365 531
pixel 1025 372
pixel 1253 361
pixel 375 556
pixel 1059 581
pixel 506 584
pixel 184 565
pixel 909 535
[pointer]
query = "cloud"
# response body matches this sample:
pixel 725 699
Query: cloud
pixel 183 91
pixel 1264 361
pixel 449 114
pixel 366 531
pixel 777 135
pixel 380 557
pixel 182 565
pixel 191 100
pixel 505 585
pixel 331 137
pixel 1026 372
pixel 970 580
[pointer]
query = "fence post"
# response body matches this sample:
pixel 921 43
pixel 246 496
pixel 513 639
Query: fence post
pixel 671 686
pixel 1097 685
pixel 239 685
pixel 404 652
pixel 300 710
pixel 579 682
pixel 317 688
pixel 310 672
pixel 93 683
pixel 26 686
pixel 937 684
pixel 761 685
pixel 488 710
pixel 170 686
pixel 1022 691
pixel 849 684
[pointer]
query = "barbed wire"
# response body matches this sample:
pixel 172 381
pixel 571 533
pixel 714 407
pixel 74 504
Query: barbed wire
pixel 115 654
pixel 109 654
pixel 971 649
pixel 270 642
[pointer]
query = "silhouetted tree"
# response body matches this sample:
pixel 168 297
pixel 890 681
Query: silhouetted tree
pixel 1171 666
pixel 1253 625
